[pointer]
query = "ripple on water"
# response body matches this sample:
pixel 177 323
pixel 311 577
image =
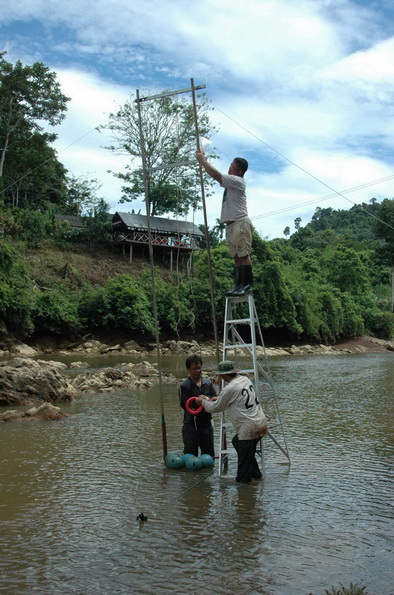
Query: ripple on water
pixel 72 491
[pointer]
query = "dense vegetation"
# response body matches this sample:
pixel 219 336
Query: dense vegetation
pixel 326 282
pixel 329 280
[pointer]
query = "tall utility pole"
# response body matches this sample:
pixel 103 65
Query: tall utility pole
pixel 146 172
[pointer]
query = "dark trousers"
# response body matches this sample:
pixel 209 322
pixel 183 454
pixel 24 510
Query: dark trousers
pixel 194 437
pixel 247 464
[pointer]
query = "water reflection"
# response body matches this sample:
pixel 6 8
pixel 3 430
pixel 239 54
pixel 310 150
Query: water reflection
pixel 72 491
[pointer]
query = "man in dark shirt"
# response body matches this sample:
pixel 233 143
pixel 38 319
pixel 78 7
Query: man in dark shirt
pixel 197 429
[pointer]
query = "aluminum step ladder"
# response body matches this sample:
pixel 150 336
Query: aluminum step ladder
pixel 241 332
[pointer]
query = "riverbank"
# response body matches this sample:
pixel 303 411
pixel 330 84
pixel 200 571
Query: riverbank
pixel 89 347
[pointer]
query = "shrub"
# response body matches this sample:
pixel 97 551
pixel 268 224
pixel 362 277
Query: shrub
pixel 380 324
pixel 127 305
pixel 33 226
pixel 15 307
pixel 174 310
pixel 56 311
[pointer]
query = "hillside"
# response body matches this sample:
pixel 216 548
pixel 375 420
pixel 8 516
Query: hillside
pixel 316 287
pixel 78 265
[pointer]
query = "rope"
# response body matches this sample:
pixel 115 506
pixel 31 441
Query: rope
pixel 335 192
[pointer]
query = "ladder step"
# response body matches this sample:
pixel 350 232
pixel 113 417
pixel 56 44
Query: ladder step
pixel 238 345
pixel 238 321
pixel 253 367
pixel 242 298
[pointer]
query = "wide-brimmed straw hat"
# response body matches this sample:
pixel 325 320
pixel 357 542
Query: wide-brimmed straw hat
pixel 227 367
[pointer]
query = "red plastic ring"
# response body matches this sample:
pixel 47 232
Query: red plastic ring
pixel 193 409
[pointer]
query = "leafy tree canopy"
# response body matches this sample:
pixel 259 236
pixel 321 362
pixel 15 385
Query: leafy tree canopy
pixel 29 95
pixel 169 140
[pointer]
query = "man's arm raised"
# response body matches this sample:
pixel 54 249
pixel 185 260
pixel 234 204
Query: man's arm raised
pixel 211 171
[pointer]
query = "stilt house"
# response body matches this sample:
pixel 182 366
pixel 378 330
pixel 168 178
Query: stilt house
pixel 168 235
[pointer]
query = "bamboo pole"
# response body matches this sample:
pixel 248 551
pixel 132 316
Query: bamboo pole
pixel 214 322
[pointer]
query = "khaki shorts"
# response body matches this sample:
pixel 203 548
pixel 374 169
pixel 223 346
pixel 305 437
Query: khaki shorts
pixel 239 237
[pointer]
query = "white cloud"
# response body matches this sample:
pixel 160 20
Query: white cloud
pixel 80 145
pixel 308 82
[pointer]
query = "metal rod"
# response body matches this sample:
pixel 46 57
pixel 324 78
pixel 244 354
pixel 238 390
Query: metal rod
pixel 169 166
pixel 169 93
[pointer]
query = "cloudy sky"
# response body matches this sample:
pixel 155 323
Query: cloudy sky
pixel 302 88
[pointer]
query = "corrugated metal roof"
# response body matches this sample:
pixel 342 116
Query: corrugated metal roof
pixel 74 220
pixel 158 224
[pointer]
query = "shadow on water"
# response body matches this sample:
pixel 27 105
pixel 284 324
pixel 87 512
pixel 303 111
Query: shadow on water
pixel 72 491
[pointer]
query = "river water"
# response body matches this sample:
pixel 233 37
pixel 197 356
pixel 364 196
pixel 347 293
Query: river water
pixel 71 492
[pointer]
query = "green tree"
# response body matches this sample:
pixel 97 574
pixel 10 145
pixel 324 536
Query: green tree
pixel 346 270
pixel 384 229
pixel 29 96
pixel 172 300
pixel 56 311
pixel 82 195
pixel 98 225
pixel 127 305
pixel 16 291
pixel 33 177
pixel 274 303
pixel 297 223
pixel 214 237
pixel 33 226
pixel 169 135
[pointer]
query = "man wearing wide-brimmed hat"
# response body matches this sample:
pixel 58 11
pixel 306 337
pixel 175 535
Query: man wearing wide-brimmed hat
pixel 239 399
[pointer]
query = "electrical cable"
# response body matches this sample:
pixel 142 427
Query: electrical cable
pixel 51 158
pixel 327 197
pixel 336 192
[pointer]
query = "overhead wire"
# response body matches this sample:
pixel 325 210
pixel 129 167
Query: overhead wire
pixel 271 148
pixel 336 192
pixel 327 197
pixel 22 177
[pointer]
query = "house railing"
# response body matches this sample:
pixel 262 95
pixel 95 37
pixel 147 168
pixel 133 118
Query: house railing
pixel 141 237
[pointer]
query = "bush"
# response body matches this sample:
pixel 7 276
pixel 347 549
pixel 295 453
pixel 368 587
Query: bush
pixel 16 296
pixel 8 259
pixel 33 226
pixel 380 324
pixel 56 311
pixel 92 307
pixel 199 287
pixel 127 305
pixel 274 303
pixel 174 310
pixel 15 308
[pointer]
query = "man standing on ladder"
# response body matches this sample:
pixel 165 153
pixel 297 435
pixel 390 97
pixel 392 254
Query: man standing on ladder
pixel 235 214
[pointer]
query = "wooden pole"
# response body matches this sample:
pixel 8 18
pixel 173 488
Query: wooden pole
pixel 215 327
pixel 154 299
